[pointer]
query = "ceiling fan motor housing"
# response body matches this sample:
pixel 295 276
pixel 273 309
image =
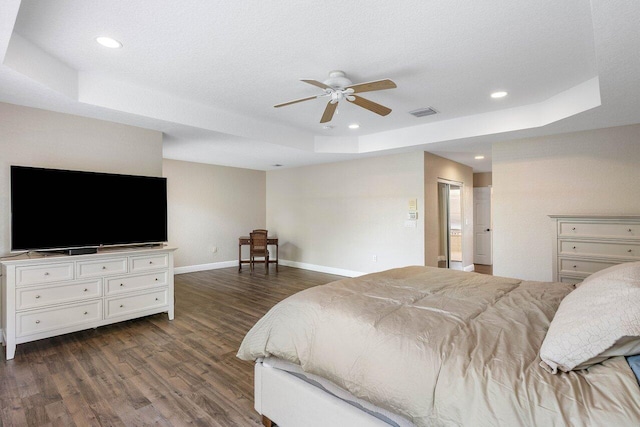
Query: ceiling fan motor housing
pixel 338 80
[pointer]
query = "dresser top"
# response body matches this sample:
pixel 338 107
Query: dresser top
pixel 36 257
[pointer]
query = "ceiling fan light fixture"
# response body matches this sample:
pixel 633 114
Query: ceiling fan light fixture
pixel 109 42
pixel 499 94
pixel 354 126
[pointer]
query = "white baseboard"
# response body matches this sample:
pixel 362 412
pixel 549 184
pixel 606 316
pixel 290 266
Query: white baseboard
pixel 287 263
pixel 321 268
pixel 203 267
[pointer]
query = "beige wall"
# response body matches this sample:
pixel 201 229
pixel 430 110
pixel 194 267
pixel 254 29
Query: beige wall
pixel 338 216
pixel 593 172
pixel 482 179
pixel 211 206
pixel 33 137
pixel 436 167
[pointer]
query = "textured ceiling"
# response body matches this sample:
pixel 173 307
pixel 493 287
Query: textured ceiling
pixel 207 73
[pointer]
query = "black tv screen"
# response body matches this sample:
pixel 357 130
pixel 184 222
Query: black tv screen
pixel 62 209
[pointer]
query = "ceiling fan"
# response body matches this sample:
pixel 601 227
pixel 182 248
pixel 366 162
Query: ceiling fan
pixel 338 87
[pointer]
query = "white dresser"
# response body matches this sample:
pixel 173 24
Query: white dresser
pixel 584 244
pixel 44 296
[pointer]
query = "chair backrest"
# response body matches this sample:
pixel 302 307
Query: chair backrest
pixel 260 230
pixel 257 241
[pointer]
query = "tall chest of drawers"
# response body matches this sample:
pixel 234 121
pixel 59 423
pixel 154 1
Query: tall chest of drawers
pixel 44 296
pixel 585 244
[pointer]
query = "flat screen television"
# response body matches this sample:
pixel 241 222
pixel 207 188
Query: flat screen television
pixel 53 209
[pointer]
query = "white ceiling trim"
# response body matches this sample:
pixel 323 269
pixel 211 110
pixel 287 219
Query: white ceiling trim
pixel 8 15
pixel 578 99
pixel 28 59
pixel 123 96
pixel 102 91
pixel 573 101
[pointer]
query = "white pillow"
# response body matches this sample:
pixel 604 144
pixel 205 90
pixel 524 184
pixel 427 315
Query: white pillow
pixel 599 319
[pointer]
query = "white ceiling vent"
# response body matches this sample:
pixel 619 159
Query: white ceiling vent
pixel 421 112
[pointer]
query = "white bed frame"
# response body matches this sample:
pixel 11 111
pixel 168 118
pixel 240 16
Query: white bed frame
pixel 288 401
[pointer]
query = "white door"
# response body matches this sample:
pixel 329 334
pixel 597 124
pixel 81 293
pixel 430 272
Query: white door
pixel 482 232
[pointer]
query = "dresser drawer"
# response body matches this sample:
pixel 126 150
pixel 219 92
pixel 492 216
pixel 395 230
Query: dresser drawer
pixel 149 262
pixel 135 303
pixel 102 267
pixel 602 230
pixel 58 272
pixel 50 319
pixel 572 280
pixel 600 249
pixel 39 296
pixel 582 268
pixel 131 283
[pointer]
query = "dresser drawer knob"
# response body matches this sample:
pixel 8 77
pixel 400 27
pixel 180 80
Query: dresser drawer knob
pixel 156 279
pixel 121 284
pixel 86 312
pixel 156 299
pixel 574 247
pixel 104 267
pixel 46 273
pixel 630 250
pixel 121 306
pixel 630 230
pixel 573 229
pixel 151 262
pixel 37 321
pixel 37 296
pixel 86 290
pixel 575 266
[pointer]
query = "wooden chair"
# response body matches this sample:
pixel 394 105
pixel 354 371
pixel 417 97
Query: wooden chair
pixel 258 249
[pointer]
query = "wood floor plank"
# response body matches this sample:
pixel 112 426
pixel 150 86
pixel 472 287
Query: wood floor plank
pixel 152 371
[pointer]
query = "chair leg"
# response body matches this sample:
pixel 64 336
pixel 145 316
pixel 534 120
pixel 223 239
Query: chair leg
pixel 266 263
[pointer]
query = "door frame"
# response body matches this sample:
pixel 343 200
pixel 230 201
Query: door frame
pixel 449 183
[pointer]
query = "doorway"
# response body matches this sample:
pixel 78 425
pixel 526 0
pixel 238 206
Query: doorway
pixel 450 224
pixel 482 227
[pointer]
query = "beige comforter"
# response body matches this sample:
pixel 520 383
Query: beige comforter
pixel 444 348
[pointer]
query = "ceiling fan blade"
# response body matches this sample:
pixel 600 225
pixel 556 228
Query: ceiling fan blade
pixel 316 83
pixel 371 86
pixel 370 105
pixel 295 101
pixel 328 112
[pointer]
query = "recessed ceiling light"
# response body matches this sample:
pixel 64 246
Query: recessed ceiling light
pixel 500 94
pixel 109 42
pixel 479 157
pixel 354 126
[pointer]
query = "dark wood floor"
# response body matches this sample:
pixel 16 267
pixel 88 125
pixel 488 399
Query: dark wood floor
pixel 484 269
pixel 152 371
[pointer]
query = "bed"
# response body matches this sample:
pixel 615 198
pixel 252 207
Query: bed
pixel 421 346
